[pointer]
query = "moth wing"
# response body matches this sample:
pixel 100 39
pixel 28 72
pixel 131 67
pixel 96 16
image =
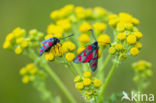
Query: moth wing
pixel 44 41
pixel 46 46
pixel 94 61
pixel 81 58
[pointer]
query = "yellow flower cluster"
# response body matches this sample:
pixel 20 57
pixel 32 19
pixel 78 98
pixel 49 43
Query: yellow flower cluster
pixel 56 50
pixel 87 84
pixel 78 13
pixel 127 34
pixel 142 70
pixel 29 73
pixel 17 40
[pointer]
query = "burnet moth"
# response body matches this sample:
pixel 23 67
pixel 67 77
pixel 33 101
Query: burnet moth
pixel 48 43
pixel 89 55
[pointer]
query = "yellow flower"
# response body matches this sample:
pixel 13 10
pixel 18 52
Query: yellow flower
pixel 6 45
pixel 77 78
pixel 138 45
pixel 68 46
pixel 112 50
pixel 18 50
pixel 70 57
pixel 85 27
pixel 64 23
pixel 86 82
pixel 119 47
pixel 55 14
pixel 125 17
pixel 99 26
pixel 112 16
pixel 141 65
pixel 135 21
pixel 18 32
pixel 88 12
pixel 120 26
pixel 138 34
pixel 30 66
pixel 87 74
pixel 112 22
pixel 48 36
pixel 99 54
pixel 80 12
pixel 131 39
pixel 134 51
pixel 49 56
pixel 103 39
pixel 33 71
pixel 99 12
pixel 57 50
pixel 79 86
pixel 128 26
pixel 80 49
pixel 24 44
pixel 97 83
pixel 25 79
pixel 84 38
pixel 19 40
pixel 23 71
pixel 68 9
pixel 55 30
pixel 121 36
pixel 10 37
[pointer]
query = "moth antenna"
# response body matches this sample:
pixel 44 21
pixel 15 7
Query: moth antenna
pixel 92 32
pixel 67 36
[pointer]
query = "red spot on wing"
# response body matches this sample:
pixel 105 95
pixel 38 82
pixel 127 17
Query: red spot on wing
pixel 41 50
pixel 89 47
pixel 79 58
pixel 90 56
pixel 84 53
pixel 94 64
pixel 95 58
pixel 44 46
pixel 50 43
pixel 96 50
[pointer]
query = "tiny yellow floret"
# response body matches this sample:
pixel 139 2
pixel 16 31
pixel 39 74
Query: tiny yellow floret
pixel 70 57
pixel 80 49
pixel 103 39
pixel 112 50
pixel 77 78
pixel 79 86
pixel 18 50
pixel 121 36
pixel 86 82
pixel 87 74
pixel 131 39
pixel 134 51
pixel 84 38
pixel 97 83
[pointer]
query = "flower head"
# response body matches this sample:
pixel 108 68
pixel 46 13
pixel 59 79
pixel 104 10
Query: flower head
pixel 134 51
pixel 84 27
pixel 84 38
pixel 70 57
pixel 103 39
pixel 68 46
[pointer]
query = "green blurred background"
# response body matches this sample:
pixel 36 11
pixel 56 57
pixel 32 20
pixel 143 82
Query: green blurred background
pixel 30 14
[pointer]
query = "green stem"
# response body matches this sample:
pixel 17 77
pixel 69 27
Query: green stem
pixel 100 74
pixel 107 81
pixel 77 69
pixel 58 82
pixel 44 64
pixel 71 69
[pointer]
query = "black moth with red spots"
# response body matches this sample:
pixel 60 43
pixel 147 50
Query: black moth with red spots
pixel 90 55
